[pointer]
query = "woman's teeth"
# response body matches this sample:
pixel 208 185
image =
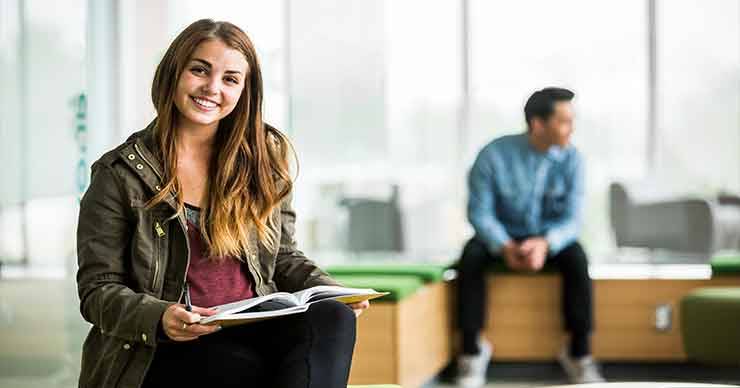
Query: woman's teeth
pixel 204 103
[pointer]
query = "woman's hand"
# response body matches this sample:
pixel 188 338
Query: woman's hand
pixel 359 307
pixel 180 325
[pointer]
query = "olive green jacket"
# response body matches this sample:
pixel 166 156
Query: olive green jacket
pixel 133 262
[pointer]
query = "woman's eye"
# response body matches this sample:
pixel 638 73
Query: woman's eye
pixel 198 70
pixel 232 80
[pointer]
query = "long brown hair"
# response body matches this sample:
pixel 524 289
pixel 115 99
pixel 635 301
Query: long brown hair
pixel 248 175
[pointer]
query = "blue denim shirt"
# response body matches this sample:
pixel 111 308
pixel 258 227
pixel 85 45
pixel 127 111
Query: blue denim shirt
pixel 516 191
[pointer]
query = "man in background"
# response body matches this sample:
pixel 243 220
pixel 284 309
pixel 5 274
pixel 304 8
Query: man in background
pixel 525 195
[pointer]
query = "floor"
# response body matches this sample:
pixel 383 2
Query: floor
pixel 511 375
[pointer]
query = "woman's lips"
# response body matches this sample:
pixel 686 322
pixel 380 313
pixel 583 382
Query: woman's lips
pixel 203 104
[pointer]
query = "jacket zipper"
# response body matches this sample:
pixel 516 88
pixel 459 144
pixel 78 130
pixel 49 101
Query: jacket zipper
pixel 184 227
pixel 180 222
pixel 258 277
pixel 159 235
pixel 155 280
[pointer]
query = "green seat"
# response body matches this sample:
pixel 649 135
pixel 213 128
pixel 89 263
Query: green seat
pixel 399 286
pixel 726 264
pixel 427 272
pixel 709 325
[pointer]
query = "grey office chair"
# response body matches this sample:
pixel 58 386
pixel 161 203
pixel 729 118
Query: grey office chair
pixel 374 224
pixel 642 216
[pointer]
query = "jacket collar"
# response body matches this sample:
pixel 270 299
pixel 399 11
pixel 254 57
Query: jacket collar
pixel 138 154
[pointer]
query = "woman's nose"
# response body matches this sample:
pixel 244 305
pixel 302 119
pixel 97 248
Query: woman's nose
pixel 211 87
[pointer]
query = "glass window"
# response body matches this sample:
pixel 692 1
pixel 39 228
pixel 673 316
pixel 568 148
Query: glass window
pixel 596 49
pixel 375 105
pixel 43 60
pixel 698 106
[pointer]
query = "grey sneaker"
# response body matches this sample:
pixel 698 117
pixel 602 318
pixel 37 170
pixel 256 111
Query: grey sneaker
pixel 582 370
pixel 471 369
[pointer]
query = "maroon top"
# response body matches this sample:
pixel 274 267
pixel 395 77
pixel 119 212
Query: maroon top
pixel 213 282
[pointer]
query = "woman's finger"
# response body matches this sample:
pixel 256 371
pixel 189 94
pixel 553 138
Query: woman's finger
pixel 358 312
pixel 178 328
pixel 184 316
pixel 360 305
pixel 205 311
pixel 183 338
pixel 198 330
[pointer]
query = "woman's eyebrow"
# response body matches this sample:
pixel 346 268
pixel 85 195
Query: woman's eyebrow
pixel 208 65
pixel 203 61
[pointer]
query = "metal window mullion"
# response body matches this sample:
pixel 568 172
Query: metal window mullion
pixel 287 68
pixel 465 92
pixel 652 111
pixel 23 62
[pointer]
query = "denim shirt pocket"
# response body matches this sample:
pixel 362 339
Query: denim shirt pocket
pixel 555 199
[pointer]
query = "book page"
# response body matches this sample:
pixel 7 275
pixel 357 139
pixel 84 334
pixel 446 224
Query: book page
pixel 318 293
pixel 249 317
pixel 271 302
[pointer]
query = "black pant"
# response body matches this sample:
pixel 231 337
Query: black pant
pixel 311 349
pixel 471 288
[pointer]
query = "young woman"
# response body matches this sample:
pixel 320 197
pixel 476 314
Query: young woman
pixel 201 197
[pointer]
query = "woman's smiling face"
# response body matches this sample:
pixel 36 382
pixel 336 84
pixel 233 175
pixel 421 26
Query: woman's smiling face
pixel 211 84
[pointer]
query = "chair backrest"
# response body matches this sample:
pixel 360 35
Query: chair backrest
pixel 618 208
pixel 657 219
pixel 374 224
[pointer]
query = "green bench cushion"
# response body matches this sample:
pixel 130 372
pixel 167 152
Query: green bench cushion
pixel 720 296
pixel 427 272
pixel 709 322
pixel 727 264
pixel 399 286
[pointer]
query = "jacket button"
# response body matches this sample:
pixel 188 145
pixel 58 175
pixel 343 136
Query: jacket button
pixel 143 336
pixel 131 156
pixel 158 188
pixel 126 346
pixel 139 166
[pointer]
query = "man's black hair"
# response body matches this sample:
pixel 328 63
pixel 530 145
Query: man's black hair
pixel 541 103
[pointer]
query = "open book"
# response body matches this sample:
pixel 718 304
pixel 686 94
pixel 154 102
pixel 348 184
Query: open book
pixel 283 303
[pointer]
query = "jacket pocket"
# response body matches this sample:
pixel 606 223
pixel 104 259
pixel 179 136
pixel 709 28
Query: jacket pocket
pixel 160 238
pixel 148 249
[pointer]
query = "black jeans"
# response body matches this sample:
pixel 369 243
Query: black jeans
pixel 307 350
pixel 577 290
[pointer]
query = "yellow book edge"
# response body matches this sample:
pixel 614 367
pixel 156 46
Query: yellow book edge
pixel 343 299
